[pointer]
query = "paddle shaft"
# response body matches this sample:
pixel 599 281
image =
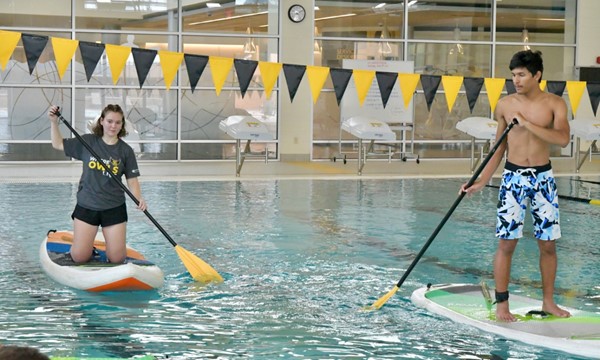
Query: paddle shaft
pixel 127 191
pixel 566 197
pixel 456 202
pixel 587 181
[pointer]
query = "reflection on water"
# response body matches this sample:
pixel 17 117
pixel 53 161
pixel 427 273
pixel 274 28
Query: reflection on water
pixel 300 259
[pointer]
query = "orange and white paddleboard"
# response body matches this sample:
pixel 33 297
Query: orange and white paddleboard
pixel 98 274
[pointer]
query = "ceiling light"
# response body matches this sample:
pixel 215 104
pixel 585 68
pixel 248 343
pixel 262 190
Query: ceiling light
pixel 457 48
pixel 317 47
pixel 213 5
pixel 249 46
pixel 335 17
pixel 384 46
pixel 228 18
pixel 525 39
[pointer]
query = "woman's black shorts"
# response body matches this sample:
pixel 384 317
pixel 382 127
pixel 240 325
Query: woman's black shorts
pixel 101 217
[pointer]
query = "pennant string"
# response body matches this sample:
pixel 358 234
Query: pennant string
pixel 117 55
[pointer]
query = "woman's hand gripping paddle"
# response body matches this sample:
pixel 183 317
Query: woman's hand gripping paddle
pixel 200 270
pixel 381 301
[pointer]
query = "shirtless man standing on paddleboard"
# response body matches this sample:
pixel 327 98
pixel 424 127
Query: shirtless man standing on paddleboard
pixel 542 122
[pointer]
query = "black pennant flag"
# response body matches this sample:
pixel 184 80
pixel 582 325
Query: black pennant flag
pixel 293 76
pixel 143 59
pixel 594 92
pixel 556 87
pixel 430 85
pixel 386 82
pixel 90 55
pixel 34 46
pixel 244 70
pixel 195 65
pixel 473 89
pixel 510 87
pixel 340 79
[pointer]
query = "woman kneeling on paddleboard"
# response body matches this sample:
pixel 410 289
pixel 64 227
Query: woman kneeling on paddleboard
pixel 100 198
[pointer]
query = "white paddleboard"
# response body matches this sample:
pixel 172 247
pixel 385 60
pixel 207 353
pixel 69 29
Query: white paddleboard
pixel 466 303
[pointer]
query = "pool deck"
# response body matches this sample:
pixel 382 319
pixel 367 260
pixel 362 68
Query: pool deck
pixel 259 170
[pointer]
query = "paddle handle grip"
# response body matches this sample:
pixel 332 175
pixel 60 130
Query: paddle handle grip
pixel 456 202
pixel 125 189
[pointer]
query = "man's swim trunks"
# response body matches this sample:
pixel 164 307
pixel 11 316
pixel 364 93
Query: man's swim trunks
pixel 536 184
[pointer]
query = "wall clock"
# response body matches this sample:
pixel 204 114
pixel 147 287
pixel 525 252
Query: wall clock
pixel 296 13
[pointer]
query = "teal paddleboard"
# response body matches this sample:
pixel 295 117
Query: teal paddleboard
pixel 470 304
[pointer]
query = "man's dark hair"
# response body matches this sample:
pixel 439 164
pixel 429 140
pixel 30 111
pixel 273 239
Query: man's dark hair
pixel 531 60
pixel 21 353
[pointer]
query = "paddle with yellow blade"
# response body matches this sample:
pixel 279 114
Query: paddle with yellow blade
pixel 382 300
pixel 200 270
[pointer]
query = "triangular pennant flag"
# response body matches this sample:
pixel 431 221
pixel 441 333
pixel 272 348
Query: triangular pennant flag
pixel 556 87
pixel 473 89
pixel 293 75
pixel 34 46
pixel 269 72
pixel 117 58
pixel 317 75
pixel 8 43
pixel 64 49
pixel 219 68
pixel 363 80
pixel 195 65
pixel 90 56
pixel 169 62
pixel 245 70
pixel 408 85
pixel 494 87
pixel 510 87
pixel 340 79
pixel 386 82
pixel 143 60
pixel 575 90
pixel 542 85
pixel 594 93
pixel 430 85
pixel 451 88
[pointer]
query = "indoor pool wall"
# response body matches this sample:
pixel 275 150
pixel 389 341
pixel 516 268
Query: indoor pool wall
pixel 300 259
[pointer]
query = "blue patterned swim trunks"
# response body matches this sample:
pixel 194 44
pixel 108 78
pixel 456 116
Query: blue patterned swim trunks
pixel 536 184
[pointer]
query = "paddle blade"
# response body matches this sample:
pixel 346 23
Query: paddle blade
pixel 382 300
pixel 199 270
pixel 485 291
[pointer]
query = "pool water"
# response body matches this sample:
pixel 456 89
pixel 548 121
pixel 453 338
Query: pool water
pixel 300 258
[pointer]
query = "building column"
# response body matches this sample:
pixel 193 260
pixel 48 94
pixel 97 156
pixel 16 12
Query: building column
pixel 296 118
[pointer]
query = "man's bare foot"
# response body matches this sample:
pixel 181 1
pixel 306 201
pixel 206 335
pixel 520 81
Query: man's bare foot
pixel 503 313
pixel 552 308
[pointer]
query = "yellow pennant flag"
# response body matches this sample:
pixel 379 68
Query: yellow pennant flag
pixel 8 43
pixel 169 62
pixel 117 58
pixel 408 85
pixel 543 85
pixel 317 75
pixel 493 87
pixel 451 85
pixel 363 80
pixel 219 68
pixel 575 90
pixel 64 49
pixel 269 72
